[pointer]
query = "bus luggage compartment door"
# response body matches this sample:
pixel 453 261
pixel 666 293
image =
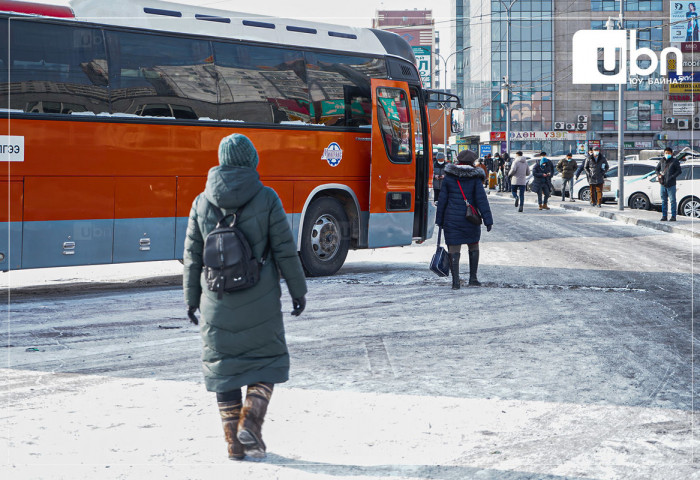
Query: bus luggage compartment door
pixel 67 221
pixel 11 225
pixel 392 172
pixel 144 224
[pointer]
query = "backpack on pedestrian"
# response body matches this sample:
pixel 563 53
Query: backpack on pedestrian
pixel 229 263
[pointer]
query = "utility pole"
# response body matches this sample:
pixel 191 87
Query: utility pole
pixel 621 119
pixel 505 90
pixel 444 104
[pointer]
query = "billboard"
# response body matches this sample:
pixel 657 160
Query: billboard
pixel 425 63
pixel 685 23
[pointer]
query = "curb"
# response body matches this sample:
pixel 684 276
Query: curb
pixel 621 217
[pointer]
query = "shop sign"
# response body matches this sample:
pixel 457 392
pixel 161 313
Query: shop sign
pixel 683 108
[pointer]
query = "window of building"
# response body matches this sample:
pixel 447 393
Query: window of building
pixel 643 115
pixel 603 115
pixel 630 5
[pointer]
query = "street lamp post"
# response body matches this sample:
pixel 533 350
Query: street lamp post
pixel 506 84
pixel 444 105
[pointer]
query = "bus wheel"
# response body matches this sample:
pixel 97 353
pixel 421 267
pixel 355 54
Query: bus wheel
pixel 325 237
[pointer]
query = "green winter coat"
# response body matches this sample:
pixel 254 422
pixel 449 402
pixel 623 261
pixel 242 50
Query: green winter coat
pixel 243 333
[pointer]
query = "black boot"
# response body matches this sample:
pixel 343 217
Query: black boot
pixel 473 267
pixel 454 268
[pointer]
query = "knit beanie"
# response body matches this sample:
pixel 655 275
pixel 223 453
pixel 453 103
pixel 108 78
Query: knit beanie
pixel 238 151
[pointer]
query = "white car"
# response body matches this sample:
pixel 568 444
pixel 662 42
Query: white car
pixel 645 193
pixel 633 170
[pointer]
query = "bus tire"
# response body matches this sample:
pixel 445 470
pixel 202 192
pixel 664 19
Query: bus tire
pixel 325 237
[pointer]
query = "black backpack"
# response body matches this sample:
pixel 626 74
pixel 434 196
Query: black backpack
pixel 229 263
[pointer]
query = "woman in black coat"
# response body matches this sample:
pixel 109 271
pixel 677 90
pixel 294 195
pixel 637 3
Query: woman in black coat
pixel 452 211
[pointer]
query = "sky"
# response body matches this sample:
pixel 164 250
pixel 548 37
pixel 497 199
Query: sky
pixel 354 13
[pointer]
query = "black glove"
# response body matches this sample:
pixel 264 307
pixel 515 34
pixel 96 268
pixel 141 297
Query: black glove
pixel 489 227
pixel 191 315
pixel 299 305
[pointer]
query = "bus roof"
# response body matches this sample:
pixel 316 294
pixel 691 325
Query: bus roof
pixel 180 18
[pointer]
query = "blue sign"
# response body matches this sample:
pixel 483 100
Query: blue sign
pixel 686 77
pixel 333 154
pixel 484 150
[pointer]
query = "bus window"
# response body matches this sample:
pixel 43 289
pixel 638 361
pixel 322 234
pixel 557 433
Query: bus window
pixel 392 108
pixel 339 86
pixel 54 69
pixel 261 84
pixel 147 70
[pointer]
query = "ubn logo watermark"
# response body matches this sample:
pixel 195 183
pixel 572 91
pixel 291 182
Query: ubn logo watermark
pixel 587 45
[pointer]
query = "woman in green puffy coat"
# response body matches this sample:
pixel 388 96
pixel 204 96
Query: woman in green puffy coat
pixel 243 332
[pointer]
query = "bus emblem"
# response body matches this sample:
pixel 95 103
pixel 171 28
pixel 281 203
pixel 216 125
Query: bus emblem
pixel 333 154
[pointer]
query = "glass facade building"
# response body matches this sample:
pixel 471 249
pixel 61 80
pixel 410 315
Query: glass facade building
pixel 543 96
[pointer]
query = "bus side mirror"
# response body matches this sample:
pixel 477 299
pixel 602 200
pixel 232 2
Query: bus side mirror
pixel 457 120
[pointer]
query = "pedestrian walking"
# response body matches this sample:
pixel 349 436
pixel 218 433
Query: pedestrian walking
pixel 507 163
pixel 490 162
pixel 438 174
pixel 567 167
pixel 581 168
pixel 518 173
pixel 243 331
pixel 596 167
pixel 667 171
pixel 542 172
pixel 463 179
pixel 482 165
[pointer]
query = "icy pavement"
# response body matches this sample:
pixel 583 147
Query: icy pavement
pixel 574 361
pixel 139 428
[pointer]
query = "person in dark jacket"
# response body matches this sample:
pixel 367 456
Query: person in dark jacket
pixel 243 332
pixel 596 167
pixel 438 173
pixel 581 168
pixel 542 172
pixel 507 163
pixel 667 172
pixel 452 211
pixel 567 166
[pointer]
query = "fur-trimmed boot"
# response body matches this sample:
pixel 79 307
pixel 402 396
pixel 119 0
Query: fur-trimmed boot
pixel 230 415
pixel 454 268
pixel 473 267
pixel 257 399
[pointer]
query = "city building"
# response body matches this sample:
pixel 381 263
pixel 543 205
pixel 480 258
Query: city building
pixel 548 111
pixel 417 27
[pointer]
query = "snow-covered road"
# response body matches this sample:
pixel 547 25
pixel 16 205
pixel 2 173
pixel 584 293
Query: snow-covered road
pixel 574 360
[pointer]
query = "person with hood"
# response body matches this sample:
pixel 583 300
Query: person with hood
pixel 542 182
pixel 567 167
pixel 243 332
pixel 438 173
pixel 667 171
pixel 463 180
pixel 518 173
pixel 596 167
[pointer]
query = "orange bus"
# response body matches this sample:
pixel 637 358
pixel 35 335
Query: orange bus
pixel 113 112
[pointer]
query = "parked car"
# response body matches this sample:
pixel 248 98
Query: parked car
pixel 644 193
pixel 582 189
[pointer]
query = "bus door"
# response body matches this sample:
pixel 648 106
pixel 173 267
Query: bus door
pixel 392 170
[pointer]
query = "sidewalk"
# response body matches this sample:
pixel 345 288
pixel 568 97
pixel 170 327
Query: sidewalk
pixel 687 226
